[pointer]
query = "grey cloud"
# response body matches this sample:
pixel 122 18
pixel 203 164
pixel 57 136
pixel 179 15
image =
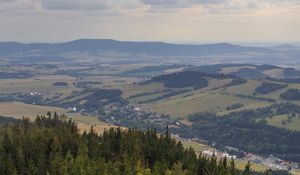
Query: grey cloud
pixel 166 3
pixel 74 4
pixel 209 1
pixel 179 3
pixel 231 4
pixel 7 1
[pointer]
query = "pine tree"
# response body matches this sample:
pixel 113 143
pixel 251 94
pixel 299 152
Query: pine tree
pixel 247 169
pixel 232 167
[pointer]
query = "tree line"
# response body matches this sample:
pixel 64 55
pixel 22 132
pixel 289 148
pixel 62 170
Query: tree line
pixel 53 145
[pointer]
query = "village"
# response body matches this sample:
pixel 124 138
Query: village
pixel 269 161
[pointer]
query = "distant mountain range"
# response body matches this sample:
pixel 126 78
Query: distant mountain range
pixel 100 47
pixel 151 48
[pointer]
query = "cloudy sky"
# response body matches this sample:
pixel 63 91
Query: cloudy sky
pixel 151 20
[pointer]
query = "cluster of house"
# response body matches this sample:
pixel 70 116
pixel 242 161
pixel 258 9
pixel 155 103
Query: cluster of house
pixel 119 111
pixel 34 93
pixel 211 153
pixel 73 109
pixel 271 162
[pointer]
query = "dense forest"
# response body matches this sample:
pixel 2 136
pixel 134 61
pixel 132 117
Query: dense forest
pixel 60 83
pixel 183 79
pixel 195 79
pixel 291 94
pixel 21 74
pixel 53 145
pixel 266 88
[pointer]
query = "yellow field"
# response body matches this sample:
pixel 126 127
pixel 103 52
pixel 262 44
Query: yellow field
pixel 42 85
pixel 20 110
pixel 240 164
pixel 198 147
pixel 276 73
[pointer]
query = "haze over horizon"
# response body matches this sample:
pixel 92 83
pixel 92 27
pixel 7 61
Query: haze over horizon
pixel 175 21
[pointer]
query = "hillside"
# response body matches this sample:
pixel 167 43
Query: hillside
pixel 201 106
pixel 223 104
pixel 54 146
pixel 124 52
pixel 248 70
pixel 151 48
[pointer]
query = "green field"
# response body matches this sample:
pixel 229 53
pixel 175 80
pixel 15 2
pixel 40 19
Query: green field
pixel 133 89
pixel 244 89
pixel 277 121
pixel 213 99
pixel 199 102
pixel 113 82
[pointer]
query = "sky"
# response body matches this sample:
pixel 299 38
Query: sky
pixel 185 21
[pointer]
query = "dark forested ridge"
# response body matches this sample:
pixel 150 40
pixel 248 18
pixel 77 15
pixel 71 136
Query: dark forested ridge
pixel 53 145
pixel 291 94
pixel 246 70
pixel 266 88
pixel 183 79
pixel 249 131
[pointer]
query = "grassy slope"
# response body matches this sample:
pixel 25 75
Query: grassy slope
pixel 19 110
pixel 42 85
pixel 129 90
pixel 244 89
pixel 198 102
pixel 209 100
pixel 276 121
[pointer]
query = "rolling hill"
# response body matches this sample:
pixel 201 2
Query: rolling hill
pixel 248 70
pixel 106 45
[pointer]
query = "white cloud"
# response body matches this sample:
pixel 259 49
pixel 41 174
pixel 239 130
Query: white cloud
pixel 167 20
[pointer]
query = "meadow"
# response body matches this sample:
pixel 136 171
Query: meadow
pixel 19 110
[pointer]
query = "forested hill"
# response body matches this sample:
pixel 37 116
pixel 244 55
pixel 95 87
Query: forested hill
pixel 52 145
pixel 184 79
pixel 107 45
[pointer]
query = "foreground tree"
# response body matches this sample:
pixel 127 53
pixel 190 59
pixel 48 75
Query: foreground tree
pixel 53 145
